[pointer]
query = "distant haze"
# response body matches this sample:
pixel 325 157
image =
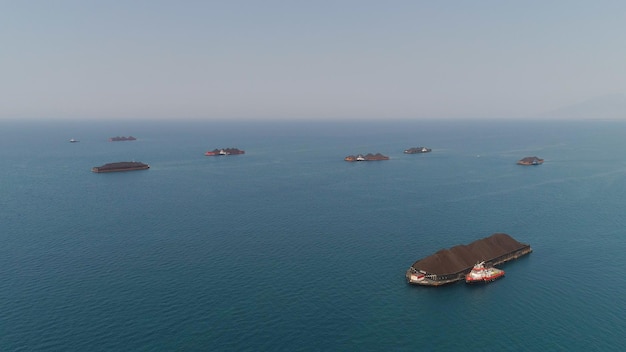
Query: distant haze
pixel 351 59
pixel 610 107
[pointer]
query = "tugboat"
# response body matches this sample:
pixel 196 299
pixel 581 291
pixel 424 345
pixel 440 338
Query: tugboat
pixel 480 274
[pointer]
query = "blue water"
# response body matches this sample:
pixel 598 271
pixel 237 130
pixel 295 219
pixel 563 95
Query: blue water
pixel 289 248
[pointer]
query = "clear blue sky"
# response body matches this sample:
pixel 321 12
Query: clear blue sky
pixel 231 59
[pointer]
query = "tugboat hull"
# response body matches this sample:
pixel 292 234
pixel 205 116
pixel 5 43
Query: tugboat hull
pixel 480 274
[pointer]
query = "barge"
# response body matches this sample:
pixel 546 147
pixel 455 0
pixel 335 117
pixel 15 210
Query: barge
pixel 366 157
pixel 530 160
pixel 226 151
pixel 122 139
pixel 120 166
pixel 451 265
pixel 417 150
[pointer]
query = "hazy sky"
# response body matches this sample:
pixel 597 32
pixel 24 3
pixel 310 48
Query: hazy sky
pixel 307 59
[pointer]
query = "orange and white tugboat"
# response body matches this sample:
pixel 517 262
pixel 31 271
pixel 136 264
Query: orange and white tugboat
pixel 481 274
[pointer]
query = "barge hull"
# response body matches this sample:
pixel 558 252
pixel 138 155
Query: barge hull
pixel 119 170
pixel 120 166
pixel 437 280
pixel 438 269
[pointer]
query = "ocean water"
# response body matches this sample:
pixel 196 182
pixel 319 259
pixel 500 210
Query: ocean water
pixel 289 248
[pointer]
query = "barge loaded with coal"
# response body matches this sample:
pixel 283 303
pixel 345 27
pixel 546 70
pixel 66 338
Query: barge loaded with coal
pixel 367 157
pixel 530 160
pixel 226 151
pixel 122 139
pixel 453 264
pixel 417 150
pixel 120 166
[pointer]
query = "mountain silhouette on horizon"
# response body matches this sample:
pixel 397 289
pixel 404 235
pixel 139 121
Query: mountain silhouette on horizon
pixel 610 106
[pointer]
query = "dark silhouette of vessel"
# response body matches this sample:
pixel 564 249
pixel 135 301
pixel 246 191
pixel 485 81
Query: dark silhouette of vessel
pixel 122 138
pixel 418 150
pixel 367 157
pixel 227 151
pixel 530 160
pixel 120 166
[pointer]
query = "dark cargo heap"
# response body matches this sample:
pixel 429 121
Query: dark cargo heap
pixel 122 138
pixel 367 157
pixel 226 151
pixel 417 150
pixel 121 166
pixel 530 160
pixel 450 265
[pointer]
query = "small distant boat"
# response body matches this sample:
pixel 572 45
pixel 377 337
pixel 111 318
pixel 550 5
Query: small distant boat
pixel 74 140
pixel 122 139
pixel 530 160
pixel 120 166
pixel 368 157
pixel 417 150
pixel 481 274
pixel 226 151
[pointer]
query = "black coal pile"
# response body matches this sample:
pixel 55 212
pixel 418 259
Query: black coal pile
pixel 461 257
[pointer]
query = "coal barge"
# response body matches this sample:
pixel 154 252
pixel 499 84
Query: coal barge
pixel 417 150
pixel 227 151
pixel 453 264
pixel 530 160
pixel 367 157
pixel 120 166
pixel 122 139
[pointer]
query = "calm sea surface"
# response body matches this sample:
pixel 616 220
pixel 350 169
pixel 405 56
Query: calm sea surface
pixel 289 248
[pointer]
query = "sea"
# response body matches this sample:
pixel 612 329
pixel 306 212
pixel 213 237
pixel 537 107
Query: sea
pixel 290 248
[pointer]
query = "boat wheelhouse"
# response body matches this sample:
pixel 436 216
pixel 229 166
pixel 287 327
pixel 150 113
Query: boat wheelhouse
pixel 482 274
